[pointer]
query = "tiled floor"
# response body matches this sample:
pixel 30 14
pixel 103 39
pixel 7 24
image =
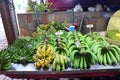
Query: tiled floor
pixel 3 40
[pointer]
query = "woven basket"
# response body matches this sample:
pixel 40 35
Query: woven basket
pixel 113 41
pixel 114 24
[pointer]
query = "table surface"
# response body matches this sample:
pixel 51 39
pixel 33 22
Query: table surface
pixel 29 71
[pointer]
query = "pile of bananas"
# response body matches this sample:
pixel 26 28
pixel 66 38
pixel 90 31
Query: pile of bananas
pixel 44 56
pixel 61 60
pixel 106 53
pixel 80 54
pixel 22 51
pixel 5 60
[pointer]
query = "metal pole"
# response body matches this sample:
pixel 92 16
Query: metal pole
pixel 13 18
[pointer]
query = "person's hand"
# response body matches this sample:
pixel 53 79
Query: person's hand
pixel 3 77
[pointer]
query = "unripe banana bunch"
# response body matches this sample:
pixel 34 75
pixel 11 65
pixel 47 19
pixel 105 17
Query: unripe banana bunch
pixel 92 38
pixel 83 57
pixel 107 54
pixel 61 62
pixel 5 60
pixel 60 46
pixel 76 36
pixel 44 56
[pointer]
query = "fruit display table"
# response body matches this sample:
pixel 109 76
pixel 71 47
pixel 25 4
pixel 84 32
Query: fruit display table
pixel 29 71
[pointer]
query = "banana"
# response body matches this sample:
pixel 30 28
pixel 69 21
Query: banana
pixel 73 53
pixel 101 58
pixel 81 63
pixel 70 43
pixel 88 61
pixel 95 50
pixel 35 58
pixel 88 39
pixel 54 64
pixel 7 66
pixel 97 43
pixel 71 38
pixel 115 53
pixel 117 48
pixel 57 59
pixel 39 54
pixel 109 61
pixel 70 34
pixel 92 54
pixel 84 63
pixel 58 67
pixel 65 51
pixel 37 65
pixel 91 43
pixel 62 60
pixel 76 62
pixel 114 60
pixel 100 38
pixel 72 48
pixel 105 59
pixel 99 54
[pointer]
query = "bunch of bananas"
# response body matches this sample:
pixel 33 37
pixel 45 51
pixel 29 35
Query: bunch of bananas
pixel 44 27
pixel 44 56
pixel 22 51
pixel 5 60
pixel 105 52
pixel 61 62
pixel 83 57
pixel 60 46
pixel 80 53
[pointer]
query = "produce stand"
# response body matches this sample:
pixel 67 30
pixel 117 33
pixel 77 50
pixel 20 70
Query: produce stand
pixel 29 71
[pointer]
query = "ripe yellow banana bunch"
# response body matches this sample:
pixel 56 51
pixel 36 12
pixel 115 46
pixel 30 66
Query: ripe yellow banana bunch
pixel 44 56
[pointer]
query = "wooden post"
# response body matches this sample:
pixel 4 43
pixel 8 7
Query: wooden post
pixel 5 14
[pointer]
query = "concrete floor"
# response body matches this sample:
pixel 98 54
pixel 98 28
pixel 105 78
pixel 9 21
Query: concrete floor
pixel 3 40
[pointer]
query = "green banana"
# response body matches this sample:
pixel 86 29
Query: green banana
pixel 117 48
pixel 73 53
pixel 95 50
pixel 100 38
pixel 88 61
pixel 105 59
pixel 101 59
pixel 81 63
pixel 99 54
pixel 70 43
pixel 62 62
pixel 93 46
pixel 69 34
pixel 71 38
pixel 115 53
pixel 109 61
pixel 58 67
pixel 114 60
pixel 7 66
pixel 76 65
pixel 84 63
pixel 92 54
pixel 72 48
